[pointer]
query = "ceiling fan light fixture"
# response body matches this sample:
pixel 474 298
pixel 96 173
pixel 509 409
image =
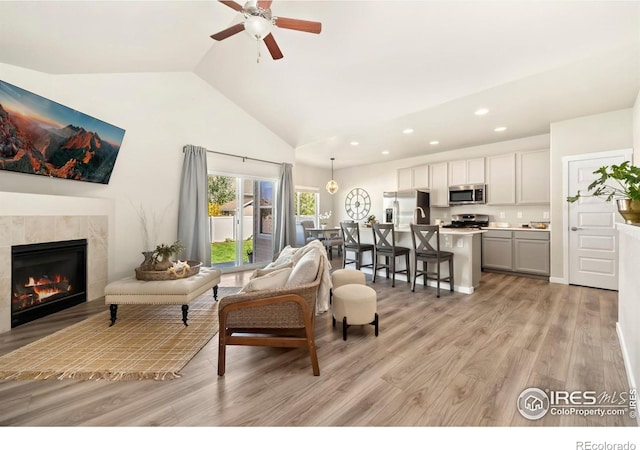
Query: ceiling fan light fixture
pixel 258 27
pixel 332 186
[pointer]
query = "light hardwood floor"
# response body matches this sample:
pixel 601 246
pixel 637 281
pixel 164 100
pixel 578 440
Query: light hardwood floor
pixel 457 360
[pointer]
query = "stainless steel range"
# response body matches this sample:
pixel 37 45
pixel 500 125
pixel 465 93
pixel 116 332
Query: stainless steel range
pixel 468 221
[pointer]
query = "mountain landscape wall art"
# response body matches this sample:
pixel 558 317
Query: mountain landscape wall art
pixel 42 137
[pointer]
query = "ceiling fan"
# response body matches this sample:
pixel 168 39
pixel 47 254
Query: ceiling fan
pixel 258 22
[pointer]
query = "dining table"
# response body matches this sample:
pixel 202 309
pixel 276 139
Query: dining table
pixel 323 233
pixel 330 237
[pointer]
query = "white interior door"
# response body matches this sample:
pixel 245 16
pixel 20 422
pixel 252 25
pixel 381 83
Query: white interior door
pixel 593 243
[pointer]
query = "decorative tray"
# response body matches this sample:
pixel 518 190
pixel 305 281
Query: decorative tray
pixel 146 273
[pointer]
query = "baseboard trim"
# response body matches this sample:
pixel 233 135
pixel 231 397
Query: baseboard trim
pixel 558 280
pixel 627 365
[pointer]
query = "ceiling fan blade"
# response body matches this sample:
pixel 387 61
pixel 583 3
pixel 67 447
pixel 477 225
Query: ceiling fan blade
pixel 270 42
pixel 297 24
pixel 237 28
pixel 265 4
pixel 232 5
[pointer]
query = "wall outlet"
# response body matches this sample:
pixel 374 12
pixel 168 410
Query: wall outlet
pixel 545 215
pixel 502 215
pixel 447 241
pixel 460 243
pixel 519 214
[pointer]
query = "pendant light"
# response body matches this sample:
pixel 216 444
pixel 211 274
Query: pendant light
pixel 332 186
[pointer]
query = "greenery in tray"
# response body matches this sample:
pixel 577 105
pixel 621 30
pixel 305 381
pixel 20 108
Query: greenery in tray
pixel 616 181
pixel 163 252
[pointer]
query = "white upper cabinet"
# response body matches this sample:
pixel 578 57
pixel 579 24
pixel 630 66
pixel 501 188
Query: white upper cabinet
pixel 533 177
pixel 413 177
pixel 439 187
pixel 501 179
pixel 420 176
pixel 466 171
pixel 405 178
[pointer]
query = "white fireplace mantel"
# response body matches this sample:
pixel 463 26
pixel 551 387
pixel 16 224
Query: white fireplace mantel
pixel 34 218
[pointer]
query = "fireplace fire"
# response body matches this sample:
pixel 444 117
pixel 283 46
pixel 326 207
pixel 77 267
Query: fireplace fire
pixel 47 278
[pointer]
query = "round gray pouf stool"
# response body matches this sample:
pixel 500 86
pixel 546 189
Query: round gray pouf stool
pixel 355 304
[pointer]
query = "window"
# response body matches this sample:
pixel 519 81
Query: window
pixel 266 207
pixel 241 220
pixel 307 204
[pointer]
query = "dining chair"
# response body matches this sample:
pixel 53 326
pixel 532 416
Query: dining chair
pixel 422 236
pixel 308 236
pixel 384 244
pixel 351 238
pixel 333 240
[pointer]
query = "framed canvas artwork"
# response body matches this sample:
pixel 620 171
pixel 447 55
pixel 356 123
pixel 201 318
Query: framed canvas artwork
pixel 39 136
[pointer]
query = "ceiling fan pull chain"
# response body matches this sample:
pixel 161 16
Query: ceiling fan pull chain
pixel 258 49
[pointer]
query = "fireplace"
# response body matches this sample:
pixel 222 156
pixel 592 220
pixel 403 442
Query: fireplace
pixel 46 278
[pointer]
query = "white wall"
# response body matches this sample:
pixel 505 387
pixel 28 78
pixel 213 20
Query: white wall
pixel 161 113
pixel 381 177
pixel 596 133
pixel 628 326
pixel 636 131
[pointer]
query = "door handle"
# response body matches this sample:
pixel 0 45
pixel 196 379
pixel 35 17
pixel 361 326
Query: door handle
pixel 575 228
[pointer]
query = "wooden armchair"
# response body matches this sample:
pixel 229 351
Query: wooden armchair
pixel 271 318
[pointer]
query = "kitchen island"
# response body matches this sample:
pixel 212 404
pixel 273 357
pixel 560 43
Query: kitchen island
pixel 465 244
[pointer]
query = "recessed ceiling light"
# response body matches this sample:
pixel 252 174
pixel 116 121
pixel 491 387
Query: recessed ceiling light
pixel 481 111
pixel 385 152
pixel 354 142
pixel 499 129
pixel 407 130
pixel 434 142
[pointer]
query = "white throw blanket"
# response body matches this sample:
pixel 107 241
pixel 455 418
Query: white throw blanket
pixel 293 255
pixel 322 301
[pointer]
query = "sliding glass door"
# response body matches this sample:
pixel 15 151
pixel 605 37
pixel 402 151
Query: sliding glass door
pixel 241 220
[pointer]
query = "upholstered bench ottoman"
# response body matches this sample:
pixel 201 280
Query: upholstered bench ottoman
pixel 355 304
pixel 131 291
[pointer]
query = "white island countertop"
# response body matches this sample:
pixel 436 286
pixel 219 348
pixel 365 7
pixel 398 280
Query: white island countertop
pixel 464 243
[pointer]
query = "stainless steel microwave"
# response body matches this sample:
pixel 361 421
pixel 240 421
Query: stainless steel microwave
pixel 468 194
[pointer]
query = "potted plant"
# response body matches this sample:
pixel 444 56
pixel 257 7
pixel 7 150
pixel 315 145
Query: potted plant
pixel 370 220
pixel 163 253
pixel 324 218
pixel 620 182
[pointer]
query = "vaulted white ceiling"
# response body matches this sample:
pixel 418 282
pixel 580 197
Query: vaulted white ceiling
pixel 377 67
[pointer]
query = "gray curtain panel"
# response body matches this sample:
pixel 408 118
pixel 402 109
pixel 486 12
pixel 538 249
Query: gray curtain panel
pixel 193 211
pixel 285 231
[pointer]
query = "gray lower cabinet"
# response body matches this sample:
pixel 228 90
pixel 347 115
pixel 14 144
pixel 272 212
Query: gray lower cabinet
pixel 516 251
pixel 531 252
pixel 497 253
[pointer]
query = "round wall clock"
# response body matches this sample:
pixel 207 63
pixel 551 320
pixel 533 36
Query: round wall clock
pixel 357 203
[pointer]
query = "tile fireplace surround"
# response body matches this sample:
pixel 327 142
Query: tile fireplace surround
pixel 31 229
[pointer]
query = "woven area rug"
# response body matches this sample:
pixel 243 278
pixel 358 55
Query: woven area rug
pixel 146 342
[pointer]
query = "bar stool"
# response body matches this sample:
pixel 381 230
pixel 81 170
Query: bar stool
pixel 421 236
pixel 384 244
pixel 351 238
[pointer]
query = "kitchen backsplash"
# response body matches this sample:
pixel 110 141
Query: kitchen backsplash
pixel 529 213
